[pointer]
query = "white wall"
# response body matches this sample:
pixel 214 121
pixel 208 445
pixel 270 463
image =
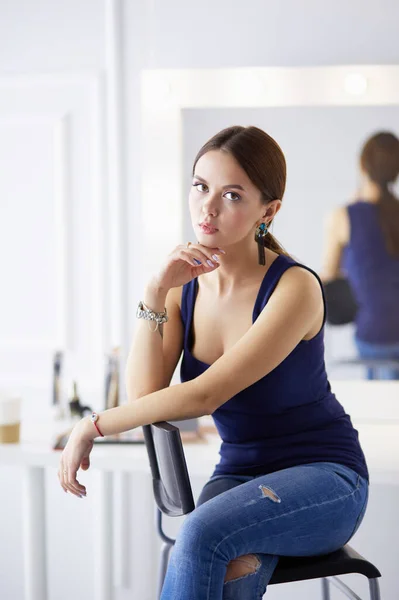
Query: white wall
pixel 51 202
pixel 265 33
pixel 69 43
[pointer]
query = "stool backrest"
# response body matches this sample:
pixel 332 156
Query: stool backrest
pixel 170 478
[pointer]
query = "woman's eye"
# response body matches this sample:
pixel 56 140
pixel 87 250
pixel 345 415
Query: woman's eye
pixel 236 196
pixel 196 185
pixel 201 187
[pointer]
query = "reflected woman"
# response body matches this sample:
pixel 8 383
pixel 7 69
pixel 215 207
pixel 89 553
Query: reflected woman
pixel 363 238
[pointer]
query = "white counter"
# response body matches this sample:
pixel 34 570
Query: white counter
pixel 380 443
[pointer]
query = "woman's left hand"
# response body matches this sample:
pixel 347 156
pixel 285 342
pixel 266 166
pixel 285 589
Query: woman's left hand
pixel 75 455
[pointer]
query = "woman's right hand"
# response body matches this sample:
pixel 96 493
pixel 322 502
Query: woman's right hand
pixel 180 266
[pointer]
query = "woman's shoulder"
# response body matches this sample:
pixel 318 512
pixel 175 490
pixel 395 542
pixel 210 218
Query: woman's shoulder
pixel 339 213
pixel 301 277
pixel 295 277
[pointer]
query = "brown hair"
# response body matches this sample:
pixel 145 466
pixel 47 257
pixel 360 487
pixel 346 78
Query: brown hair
pixel 260 157
pixel 380 160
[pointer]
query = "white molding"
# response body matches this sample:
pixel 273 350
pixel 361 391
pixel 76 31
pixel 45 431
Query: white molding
pixel 93 86
pixel 116 174
pixel 116 265
pixel 62 187
pixel 167 92
pixel 62 224
pixel 100 311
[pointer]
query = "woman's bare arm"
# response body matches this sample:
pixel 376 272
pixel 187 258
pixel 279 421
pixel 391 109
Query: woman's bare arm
pixel 336 237
pixel 153 356
pixel 287 318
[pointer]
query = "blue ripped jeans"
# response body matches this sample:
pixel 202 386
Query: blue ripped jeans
pixel 301 511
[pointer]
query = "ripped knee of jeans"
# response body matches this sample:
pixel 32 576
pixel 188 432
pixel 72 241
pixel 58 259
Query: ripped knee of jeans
pixel 242 566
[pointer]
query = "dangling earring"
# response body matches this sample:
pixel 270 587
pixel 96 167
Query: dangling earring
pixel 260 235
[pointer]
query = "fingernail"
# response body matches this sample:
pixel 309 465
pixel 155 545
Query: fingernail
pixel 215 257
pixel 198 262
pixel 210 263
pixel 220 250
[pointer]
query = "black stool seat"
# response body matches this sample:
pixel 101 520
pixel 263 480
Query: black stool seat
pixel 343 561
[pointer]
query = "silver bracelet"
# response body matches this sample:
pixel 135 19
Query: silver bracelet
pixel 144 312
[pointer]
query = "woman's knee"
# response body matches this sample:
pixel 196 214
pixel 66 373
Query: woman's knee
pixel 196 533
pixel 242 566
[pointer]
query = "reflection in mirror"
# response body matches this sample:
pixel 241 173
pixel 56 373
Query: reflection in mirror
pixel 323 147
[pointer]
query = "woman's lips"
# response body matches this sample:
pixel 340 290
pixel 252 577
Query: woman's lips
pixel 208 229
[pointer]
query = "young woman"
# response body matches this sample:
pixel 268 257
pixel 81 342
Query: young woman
pixel 363 238
pixel 292 478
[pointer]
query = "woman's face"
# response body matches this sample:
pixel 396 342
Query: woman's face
pixel 225 205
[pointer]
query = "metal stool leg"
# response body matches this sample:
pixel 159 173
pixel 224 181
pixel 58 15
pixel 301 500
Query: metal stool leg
pixel 374 589
pixel 325 586
pixel 166 547
pixel 168 544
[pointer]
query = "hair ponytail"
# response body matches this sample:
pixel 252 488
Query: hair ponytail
pixel 388 209
pixel 380 160
pixel 273 244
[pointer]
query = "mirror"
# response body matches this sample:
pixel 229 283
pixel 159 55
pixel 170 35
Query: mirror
pixel 321 146
pixel 320 117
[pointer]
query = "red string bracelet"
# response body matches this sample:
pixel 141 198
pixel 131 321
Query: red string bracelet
pixel 94 418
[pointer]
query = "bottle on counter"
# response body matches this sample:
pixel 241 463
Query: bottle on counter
pixel 77 410
pixel 57 400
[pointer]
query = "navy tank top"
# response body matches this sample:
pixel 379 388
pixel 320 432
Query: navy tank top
pixel 373 275
pixel 287 418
